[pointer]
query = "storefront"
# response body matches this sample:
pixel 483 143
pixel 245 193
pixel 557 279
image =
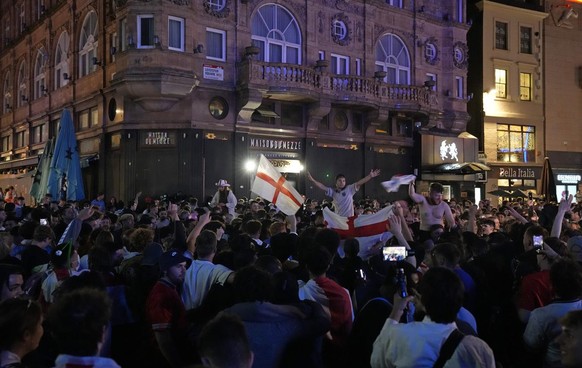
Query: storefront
pixel 519 180
pixel 567 182
pixel 451 161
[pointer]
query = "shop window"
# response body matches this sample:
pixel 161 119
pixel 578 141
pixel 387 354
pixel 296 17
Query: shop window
pixel 515 143
pixel 19 139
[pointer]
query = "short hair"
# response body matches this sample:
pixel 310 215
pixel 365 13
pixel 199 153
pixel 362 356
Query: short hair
pixel 42 232
pixel 572 319
pixel 206 243
pixel 277 227
pixel 329 239
pixel 77 321
pixel 100 259
pixel 269 263
pixel 17 317
pixel 449 252
pixel 566 278
pixel 441 294
pixel 536 230
pixel 224 342
pixel 339 176
pixel 140 238
pixel 437 187
pixel 317 260
pixel 253 285
pixel 6 270
pixel 213 226
pixel 253 227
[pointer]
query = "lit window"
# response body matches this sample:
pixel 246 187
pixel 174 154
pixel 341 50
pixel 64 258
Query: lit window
pixel 145 31
pixel 525 86
pixel 397 3
pixel 515 143
pixel 501 83
pixel 215 44
pixel 216 5
pixel 175 33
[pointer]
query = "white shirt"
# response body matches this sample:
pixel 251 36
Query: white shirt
pixel 417 344
pixel 200 277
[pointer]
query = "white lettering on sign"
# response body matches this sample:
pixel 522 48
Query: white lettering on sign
pixel 275 144
pixel 519 173
pixel 158 138
pixel 569 178
pixel 213 72
pixel 449 151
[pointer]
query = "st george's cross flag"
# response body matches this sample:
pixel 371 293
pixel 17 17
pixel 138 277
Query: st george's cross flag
pixel 396 181
pixel 368 229
pixel 272 186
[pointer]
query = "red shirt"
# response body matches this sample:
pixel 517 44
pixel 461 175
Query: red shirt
pixel 536 291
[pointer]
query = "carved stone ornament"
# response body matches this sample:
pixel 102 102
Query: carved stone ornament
pixel 340 31
pixel 180 2
pixel 223 12
pixel 460 58
pixel 431 51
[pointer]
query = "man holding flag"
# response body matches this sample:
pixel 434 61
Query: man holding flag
pixel 342 194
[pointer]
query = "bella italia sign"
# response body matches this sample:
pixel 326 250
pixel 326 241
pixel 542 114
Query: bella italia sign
pixel 516 172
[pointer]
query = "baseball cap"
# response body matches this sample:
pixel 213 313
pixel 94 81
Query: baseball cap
pixel 172 258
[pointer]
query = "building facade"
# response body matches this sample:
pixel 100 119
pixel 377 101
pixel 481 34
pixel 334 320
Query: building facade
pixel 170 96
pixel 507 82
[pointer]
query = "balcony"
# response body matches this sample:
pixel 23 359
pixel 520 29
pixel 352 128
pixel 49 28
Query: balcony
pixel 301 83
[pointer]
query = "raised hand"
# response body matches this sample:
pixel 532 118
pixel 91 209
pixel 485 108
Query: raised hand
pixel 374 173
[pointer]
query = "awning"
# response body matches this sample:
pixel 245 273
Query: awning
pixel 461 168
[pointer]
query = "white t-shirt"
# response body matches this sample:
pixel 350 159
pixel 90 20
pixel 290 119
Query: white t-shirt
pixel 343 200
pixel 200 277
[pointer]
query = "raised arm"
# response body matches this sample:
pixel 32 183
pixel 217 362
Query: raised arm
pixel 405 229
pixel 558 220
pixel 315 182
pixel 516 215
pixel 396 226
pixel 417 198
pixel 365 179
pixel 191 241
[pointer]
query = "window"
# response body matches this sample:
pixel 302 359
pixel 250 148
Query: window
pixel 392 57
pixel 431 81
pixel 145 31
pixel 39 77
pixel 7 93
pixel 216 5
pixel 357 122
pixel 402 127
pixel 525 40
pixel 291 115
pixel 88 118
pixel 6 143
pixel 22 97
pixel 500 83
pixel 525 86
pixel 88 45
pixel 340 64
pixel 397 3
pixel 6 35
pixel 215 44
pixel 321 55
pixel 276 33
pixel 430 51
pixel 38 133
pixel 19 139
pixel 460 11
pixel 358 66
pixel 459 87
pixel 501 35
pixel 62 60
pixel 175 33
pixel 22 18
pixel 339 29
pixel 515 143
pixel 123 33
pixel 114 42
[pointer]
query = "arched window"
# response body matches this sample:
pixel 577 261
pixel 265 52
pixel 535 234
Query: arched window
pixel 7 93
pixel 22 97
pixel 276 33
pixel 88 45
pixel 39 77
pixel 392 57
pixel 62 61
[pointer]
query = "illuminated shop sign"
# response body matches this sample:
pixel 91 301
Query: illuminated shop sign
pixel 158 139
pixel 448 151
pixel 287 166
pixel 275 144
pixel 569 178
pixel 515 172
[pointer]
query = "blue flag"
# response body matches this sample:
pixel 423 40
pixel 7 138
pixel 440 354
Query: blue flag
pixel 65 179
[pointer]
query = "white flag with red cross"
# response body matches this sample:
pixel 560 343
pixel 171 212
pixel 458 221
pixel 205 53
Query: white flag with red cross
pixel 368 229
pixel 272 186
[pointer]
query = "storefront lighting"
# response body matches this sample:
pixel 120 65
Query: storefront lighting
pixel 489 101
pixel 250 166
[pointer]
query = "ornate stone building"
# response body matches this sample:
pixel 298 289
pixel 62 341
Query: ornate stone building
pixel 171 95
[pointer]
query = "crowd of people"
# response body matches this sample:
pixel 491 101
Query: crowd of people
pixel 227 282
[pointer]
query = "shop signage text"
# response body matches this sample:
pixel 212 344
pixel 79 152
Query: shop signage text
pixel 569 178
pixel 159 139
pixel 275 144
pixel 213 72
